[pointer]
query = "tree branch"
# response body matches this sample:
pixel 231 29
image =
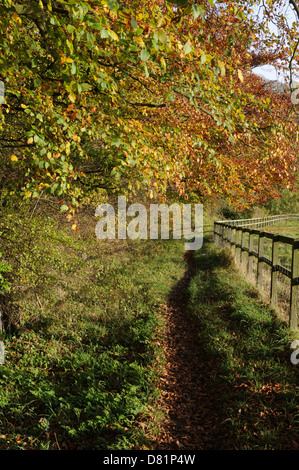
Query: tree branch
pixel 148 105
pixel 296 7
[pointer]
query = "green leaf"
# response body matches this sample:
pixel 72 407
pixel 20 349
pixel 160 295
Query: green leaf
pixel 162 36
pixel 195 11
pixel 146 70
pixel 97 26
pixel 134 23
pixel 70 28
pixel 187 48
pixel 73 68
pixel 85 86
pixel 198 10
pixel 104 34
pixel 188 10
pixel 113 4
pixel 144 55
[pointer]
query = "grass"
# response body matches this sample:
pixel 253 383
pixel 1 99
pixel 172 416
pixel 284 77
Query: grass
pixel 82 359
pixel 252 346
pixel 289 228
pixel 83 356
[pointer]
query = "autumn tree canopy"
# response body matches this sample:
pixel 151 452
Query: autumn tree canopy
pixel 124 95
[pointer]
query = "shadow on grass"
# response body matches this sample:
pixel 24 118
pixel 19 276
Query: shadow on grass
pixel 251 347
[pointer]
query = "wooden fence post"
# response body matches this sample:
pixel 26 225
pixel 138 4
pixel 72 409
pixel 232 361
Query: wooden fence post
pixel 243 252
pixel 221 235
pixel 250 256
pixel 230 236
pixel 233 241
pixel 274 272
pixel 237 252
pixel 216 236
pixel 294 286
pixel 224 236
pixel 260 263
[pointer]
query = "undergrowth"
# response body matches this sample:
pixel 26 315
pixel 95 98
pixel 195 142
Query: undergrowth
pixel 81 350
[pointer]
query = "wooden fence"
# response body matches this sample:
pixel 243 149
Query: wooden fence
pixel 239 235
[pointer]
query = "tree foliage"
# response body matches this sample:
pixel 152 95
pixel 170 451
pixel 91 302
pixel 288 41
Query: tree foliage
pixel 123 95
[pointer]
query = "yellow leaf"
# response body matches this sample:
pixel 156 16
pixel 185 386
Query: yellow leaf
pixel 139 40
pixel 14 158
pixel 64 59
pixel 163 63
pixel 113 35
pixel 240 75
pixel 16 18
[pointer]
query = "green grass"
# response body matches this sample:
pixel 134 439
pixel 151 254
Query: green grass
pixel 82 361
pixel 289 228
pixel 259 383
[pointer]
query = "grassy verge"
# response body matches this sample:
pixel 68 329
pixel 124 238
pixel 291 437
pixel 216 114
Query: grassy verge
pixel 252 346
pixel 81 366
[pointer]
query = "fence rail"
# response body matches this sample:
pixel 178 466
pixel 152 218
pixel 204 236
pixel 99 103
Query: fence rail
pixel 238 236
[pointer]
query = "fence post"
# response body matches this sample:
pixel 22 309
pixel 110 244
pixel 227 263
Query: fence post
pixel 237 252
pixel 260 265
pixel 250 256
pixel 225 243
pixel 221 235
pixel 294 286
pixel 215 233
pixel 274 272
pixel 233 240
pixel 243 252
pixel 218 236
pixel 230 234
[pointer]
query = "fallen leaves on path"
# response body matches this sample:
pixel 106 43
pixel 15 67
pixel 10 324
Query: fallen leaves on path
pixel 188 402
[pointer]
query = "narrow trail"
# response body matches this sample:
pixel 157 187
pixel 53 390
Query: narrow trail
pixel 190 404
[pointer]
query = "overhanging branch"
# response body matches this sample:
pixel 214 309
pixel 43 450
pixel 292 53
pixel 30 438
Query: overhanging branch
pixel 296 6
